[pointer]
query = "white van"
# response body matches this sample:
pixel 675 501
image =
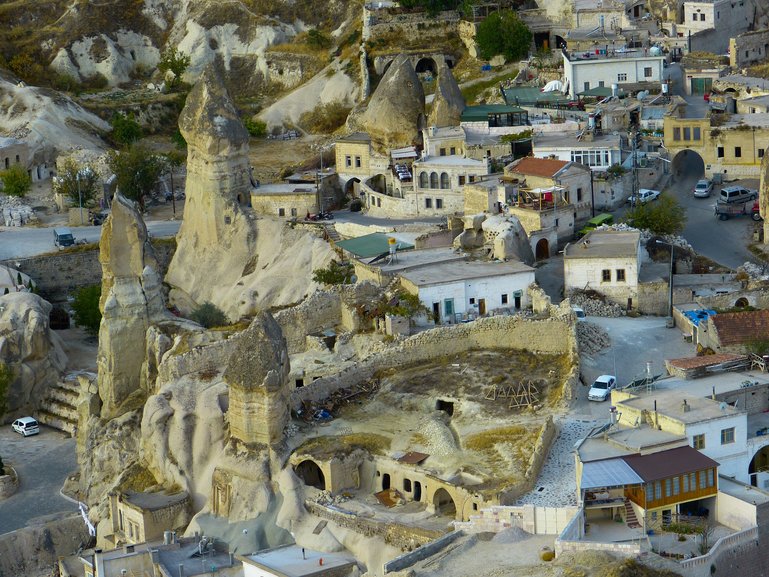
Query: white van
pixel 734 194
pixel 26 426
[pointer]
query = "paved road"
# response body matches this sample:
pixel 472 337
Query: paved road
pixel 43 463
pixel 24 242
pixel 364 219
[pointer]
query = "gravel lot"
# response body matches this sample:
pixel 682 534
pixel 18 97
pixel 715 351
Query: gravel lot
pixel 42 462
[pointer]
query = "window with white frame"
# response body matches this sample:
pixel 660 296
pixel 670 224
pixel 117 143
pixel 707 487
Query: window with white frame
pixel 595 158
pixel 622 77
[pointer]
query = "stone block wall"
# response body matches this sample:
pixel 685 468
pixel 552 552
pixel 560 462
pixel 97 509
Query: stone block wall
pixel 411 25
pixel 551 336
pixel 204 359
pixel 402 536
pixel 8 483
pixel 735 554
pixel 60 273
pixel 407 560
pixel 532 519
pixel 321 310
pixel 748 48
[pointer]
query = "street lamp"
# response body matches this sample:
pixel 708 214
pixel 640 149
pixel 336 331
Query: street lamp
pixel 670 284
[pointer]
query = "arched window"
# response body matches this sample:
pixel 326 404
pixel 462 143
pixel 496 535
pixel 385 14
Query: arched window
pixel 423 180
pixel 433 180
pixel 444 180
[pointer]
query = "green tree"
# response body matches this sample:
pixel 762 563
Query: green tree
pixel 172 160
pixel 175 62
pixel 86 307
pixel 256 128
pixel 209 315
pixel 503 33
pixel 77 182
pixel 335 273
pixel 125 129
pixel 137 171
pixel 663 216
pixel 16 181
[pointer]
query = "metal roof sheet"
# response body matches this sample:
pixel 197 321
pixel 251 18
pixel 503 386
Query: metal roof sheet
pixel 670 463
pixel 608 473
pixel 370 245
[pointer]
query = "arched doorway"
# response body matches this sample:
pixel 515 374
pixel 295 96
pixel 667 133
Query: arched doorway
pixel 312 475
pixel 560 42
pixel 417 491
pixel 426 65
pixel 351 188
pixel 444 504
pixel 741 303
pixel 385 481
pixel 759 467
pixel 542 250
pixel 688 164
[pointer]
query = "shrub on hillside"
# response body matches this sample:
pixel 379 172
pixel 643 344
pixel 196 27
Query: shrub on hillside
pixel 16 181
pixel 209 315
pixel 325 118
pixel 86 308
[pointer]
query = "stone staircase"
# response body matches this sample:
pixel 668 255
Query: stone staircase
pixel 58 408
pixel 332 235
pixel 630 517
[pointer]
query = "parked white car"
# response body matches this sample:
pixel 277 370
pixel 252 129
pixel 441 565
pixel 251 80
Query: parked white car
pixel 643 196
pixel 26 426
pixel 579 312
pixel 602 388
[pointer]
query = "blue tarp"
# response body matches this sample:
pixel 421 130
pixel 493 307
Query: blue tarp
pixel 699 316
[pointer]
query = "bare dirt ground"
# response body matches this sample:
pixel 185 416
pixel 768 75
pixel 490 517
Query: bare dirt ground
pixel 270 157
pixel 81 349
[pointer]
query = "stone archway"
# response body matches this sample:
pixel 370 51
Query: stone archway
pixel 688 163
pixel 444 504
pixel 312 475
pixel 741 303
pixel 426 64
pixel 351 187
pixel 758 469
pixel 542 250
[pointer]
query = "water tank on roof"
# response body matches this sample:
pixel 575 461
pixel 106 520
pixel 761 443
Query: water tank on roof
pixel 655 51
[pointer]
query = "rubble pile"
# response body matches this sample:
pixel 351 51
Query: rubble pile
pixel 15 212
pixel 646 235
pixel 327 498
pixel 596 308
pixel 592 338
pixel 755 272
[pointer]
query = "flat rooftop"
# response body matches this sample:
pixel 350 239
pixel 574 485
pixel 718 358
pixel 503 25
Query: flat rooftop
pixel 721 383
pixel 743 492
pixel 569 140
pixel 283 189
pixel 452 271
pixel 407 260
pixel 757 119
pixel 604 244
pixel 618 54
pixel 450 160
pixel 295 561
pixel 621 441
pixel 154 501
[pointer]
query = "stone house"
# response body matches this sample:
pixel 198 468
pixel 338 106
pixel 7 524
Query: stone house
pixel 141 517
pixel 733 148
pixel 733 332
pixel 353 160
pixel 297 196
pixel 573 177
pixel 597 151
pixel 463 290
pixel 496 119
pixel 605 261
pixel 605 67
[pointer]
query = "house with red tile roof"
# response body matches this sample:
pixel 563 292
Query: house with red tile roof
pixel 734 332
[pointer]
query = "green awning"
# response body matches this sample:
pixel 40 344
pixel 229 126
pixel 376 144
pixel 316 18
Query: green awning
pixel 481 112
pixel 598 92
pixel 370 245
pixel 531 96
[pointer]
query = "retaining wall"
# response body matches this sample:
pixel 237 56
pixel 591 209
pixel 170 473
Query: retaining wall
pixel 58 274
pixel 530 518
pixel 549 336
pixel 407 560
pixel 738 546
pixel 9 483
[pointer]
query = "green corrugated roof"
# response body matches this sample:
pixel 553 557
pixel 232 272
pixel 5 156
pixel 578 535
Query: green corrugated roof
pixel 370 245
pixel 599 91
pixel 531 95
pixel 481 112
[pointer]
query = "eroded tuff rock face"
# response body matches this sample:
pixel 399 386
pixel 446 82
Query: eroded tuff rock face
pixel 29 347
pixel 503 234
pixel 258 383
pixel 449 102
pixel 131 300
pixel 395 112
pixel 224 254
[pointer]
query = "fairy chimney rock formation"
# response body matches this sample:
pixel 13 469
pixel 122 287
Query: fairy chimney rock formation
pixel 449 103
pixel 257 375
pixel 131 300
pixel 216 231
pixel 395 112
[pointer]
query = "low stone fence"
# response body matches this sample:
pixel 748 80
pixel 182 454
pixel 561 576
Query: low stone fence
pixel 408 559
pixel 532 519
pixel 701 566
pixel 9 482
pixel 405 537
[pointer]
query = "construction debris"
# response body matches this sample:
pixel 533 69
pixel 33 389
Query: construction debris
pixel 592 339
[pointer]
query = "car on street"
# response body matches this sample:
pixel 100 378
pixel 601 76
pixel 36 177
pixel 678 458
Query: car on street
pixel 602 388
pixel 703 188
pixel 26 426
pixel 579 312
pixel 735 194
pixel 643 196
pixel 63 237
